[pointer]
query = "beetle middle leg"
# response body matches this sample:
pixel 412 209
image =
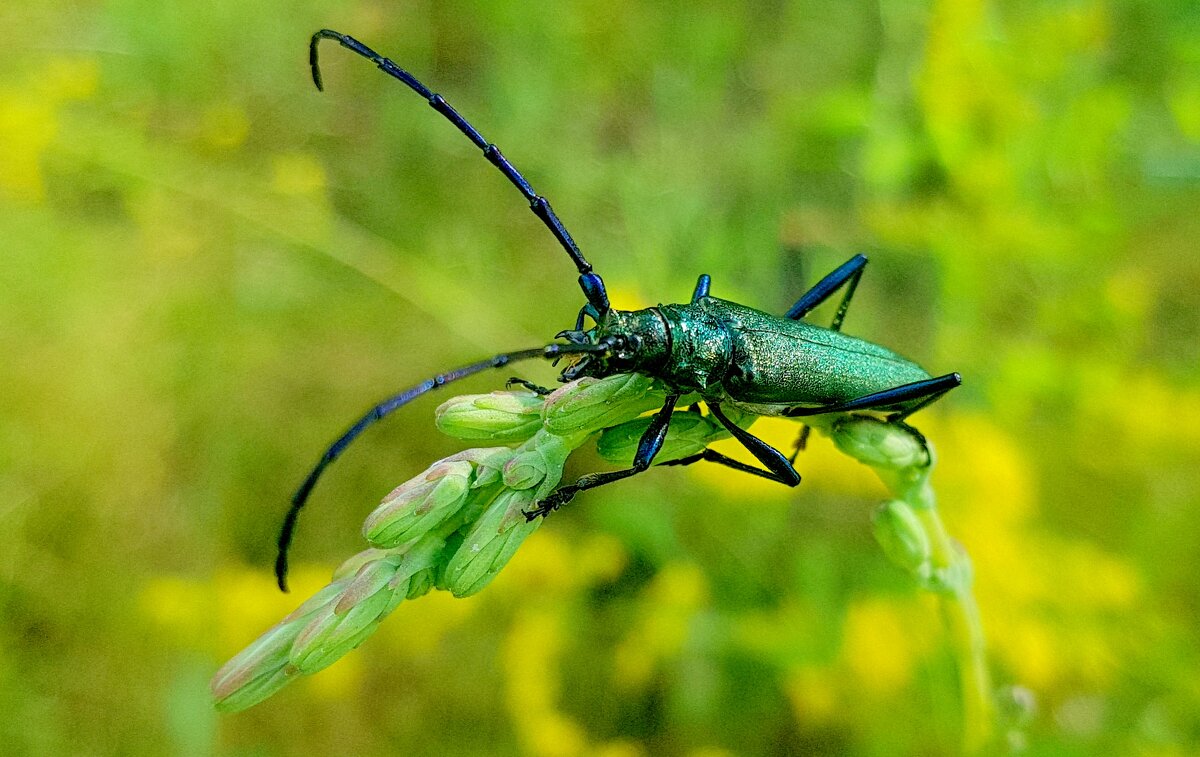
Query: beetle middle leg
pixel 648 446
pixel 712 456
pixel 779 468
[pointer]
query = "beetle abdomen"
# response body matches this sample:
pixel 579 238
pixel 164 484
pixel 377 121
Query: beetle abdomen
pixel 778 363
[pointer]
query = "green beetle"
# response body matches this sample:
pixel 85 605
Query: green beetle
pixel 725 352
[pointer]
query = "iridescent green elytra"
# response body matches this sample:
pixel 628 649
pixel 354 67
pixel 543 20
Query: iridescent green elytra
pixel 764 364
pixel 726 352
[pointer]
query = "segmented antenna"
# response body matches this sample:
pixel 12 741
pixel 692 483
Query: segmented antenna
pixel 592 285
pixel 390 405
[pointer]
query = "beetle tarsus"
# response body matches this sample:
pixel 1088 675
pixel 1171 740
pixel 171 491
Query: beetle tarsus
pixel 540 391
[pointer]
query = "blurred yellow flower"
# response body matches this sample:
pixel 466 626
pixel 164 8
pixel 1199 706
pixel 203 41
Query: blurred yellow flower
pixel 224 126
pixel 666 609
pixel 882 640
pixel 29 121
pixel 297 174
pixel 815 694
pixel 1049 604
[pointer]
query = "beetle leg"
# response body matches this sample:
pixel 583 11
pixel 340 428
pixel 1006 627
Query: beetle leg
pixel 780 469
pixel 801 443
pixel 540 391
pixel 847 274
pixel 702 285
pixel 648 446
pixel 712 456
pixel 927 391
pixel 588 310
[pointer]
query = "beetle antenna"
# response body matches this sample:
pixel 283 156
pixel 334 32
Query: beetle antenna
pixel 590 282
pixel 377 413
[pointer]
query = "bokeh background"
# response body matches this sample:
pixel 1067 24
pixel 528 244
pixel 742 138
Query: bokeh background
pixel 208 269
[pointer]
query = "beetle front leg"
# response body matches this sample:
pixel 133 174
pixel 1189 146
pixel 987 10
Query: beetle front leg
pixel 648 446
pixel 540 391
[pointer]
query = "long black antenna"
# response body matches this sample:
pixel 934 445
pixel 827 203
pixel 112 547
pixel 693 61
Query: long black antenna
pixel 377 413
pixel 592 285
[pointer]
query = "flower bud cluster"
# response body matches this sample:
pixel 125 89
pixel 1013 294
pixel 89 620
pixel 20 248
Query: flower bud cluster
pixel 452 527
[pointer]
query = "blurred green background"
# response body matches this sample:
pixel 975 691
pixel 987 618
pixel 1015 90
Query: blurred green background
pixel 209 269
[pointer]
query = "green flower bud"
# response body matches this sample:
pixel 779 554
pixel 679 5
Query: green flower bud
pixel 538 463
pixel 499 416
pixel 329 636
pixel 954 578
pixel 258 671
pixel 488 462
pixel 490 543
pixel 903 537
pixel 689 434
pixel 264 667
pixel 376 589
pixel 256 689
pixel 421 583
pixel 879 444
pixel 336 630
pixel 590 404
pixel 419 505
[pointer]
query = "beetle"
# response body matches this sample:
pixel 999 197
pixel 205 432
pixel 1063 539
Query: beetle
pixel 727 353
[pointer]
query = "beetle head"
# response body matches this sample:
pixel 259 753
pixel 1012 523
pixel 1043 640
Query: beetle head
pixel 636 341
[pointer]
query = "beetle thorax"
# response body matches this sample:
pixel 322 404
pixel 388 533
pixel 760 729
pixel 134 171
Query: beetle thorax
pixel 640 339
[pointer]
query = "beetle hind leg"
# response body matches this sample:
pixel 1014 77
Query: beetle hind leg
pixel 921 393
pixel 848 275
pixel 801 442
pixel 712 456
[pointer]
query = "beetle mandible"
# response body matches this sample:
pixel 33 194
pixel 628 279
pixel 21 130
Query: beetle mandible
pixel 725 352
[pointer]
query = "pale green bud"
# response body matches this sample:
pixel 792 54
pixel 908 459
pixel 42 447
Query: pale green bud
pixel 954 578
pixel 490 543
pixel 328 634
pixel 499 416
pixel 256 689
pixel 902 536
pixel 264 667
pixel 538 463
pixel 376 589
pixel 421 583
pixel 488 462
pixel 590 404
pixel 258 671
pixel 419 504
pixel 689 434
pixel 879 444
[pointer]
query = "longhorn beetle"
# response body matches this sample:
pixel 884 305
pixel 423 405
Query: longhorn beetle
pixel 725 352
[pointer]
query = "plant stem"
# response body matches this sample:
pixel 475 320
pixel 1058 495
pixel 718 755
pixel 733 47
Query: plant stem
pixel 903 460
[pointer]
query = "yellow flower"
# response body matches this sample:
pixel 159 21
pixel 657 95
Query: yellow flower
pixel 29 121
